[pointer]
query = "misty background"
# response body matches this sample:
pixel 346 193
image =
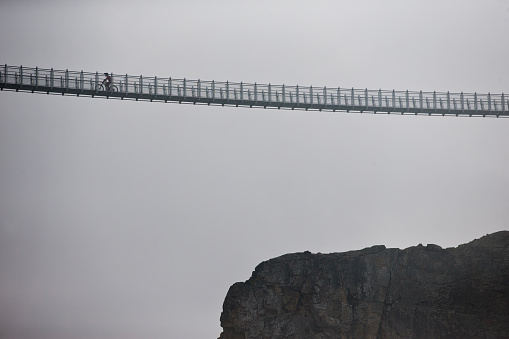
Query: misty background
pixel 123 219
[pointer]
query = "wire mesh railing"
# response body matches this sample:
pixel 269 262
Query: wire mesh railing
pixel 254 93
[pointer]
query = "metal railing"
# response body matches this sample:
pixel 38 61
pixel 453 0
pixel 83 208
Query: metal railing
pixel 252 94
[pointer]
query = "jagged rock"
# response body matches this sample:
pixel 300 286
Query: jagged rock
pixel 377 292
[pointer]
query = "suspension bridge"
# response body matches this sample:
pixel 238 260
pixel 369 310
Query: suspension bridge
pixel 240 94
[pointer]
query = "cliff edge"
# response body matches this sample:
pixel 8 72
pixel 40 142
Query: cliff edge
pixel 377 292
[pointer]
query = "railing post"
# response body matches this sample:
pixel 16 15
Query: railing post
pixel 489 102
pixel 380 97
pixel 36 76
pixel 5 73
pixel 169 87
pixel 270 94
pixel 96 80
pixel 255 92
pixel 213 89
pixel 67 79
pixel 20 75
pixel 407 99
pixel 155 85
pixel 393 99
pixel 420 99
pixel 51 77
pixel 366 97
pixel 297 94
pixel 283 95
pixel 462 102
pixel 141 84
pixel 241 91
pixel 199 88
pixel 82 81
pixel 339 96
pixel 503 103
pixel 475 101
pixel 310 95
pixel 126 86
pixel 184 87
pixel 448 101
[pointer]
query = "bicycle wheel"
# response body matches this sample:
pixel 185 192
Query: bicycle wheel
pixel 99 87
pixel 113 88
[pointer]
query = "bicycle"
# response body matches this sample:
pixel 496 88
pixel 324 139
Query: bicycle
pixel 102 87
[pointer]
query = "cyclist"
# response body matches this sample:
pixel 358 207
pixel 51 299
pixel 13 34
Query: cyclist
pixel 107 81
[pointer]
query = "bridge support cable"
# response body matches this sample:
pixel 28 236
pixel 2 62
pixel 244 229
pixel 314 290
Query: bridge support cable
pixel 159 89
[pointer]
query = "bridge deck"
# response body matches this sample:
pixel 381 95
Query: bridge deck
pixel 81 83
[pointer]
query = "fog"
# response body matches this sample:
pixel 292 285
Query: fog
pixel 123 219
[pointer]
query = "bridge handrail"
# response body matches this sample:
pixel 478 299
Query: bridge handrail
pixel 255 92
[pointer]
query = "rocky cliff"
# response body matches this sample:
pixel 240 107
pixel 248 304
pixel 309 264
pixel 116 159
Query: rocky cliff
pixel 377 292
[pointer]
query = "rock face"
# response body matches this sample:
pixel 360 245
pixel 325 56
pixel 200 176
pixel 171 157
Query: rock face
pixel 377 292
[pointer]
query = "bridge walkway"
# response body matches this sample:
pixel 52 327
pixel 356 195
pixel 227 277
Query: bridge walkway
pixel 240 94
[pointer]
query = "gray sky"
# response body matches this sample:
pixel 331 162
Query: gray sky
pixel 132 219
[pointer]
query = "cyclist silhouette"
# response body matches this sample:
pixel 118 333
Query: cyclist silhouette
pixel 107 81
